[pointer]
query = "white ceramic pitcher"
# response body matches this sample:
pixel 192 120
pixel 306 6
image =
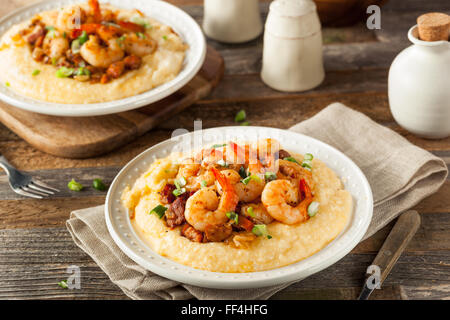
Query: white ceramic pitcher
pixel 419 87
pixel 232 21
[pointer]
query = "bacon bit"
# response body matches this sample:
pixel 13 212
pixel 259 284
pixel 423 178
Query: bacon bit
pixel 245 223
pixel 104 79
pixel 115 69
pixel 166 194
pixel 132 62
pixel 39 41
pixel 130 26
pixel 95 7
pixel 191 233
pixel 217 233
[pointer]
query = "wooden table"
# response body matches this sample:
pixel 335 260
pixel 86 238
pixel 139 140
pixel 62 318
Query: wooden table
pixel 36 249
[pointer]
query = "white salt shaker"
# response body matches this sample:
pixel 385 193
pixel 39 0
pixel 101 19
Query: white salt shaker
pixel 292 56
pixel 232 21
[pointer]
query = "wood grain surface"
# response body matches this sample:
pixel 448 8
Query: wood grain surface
pixel 36 249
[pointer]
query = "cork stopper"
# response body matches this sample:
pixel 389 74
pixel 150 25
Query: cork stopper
pixel 433 26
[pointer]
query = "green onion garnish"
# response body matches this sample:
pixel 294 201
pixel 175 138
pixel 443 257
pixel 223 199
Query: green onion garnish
pixel 54 61
pixel 313 208
pixel 75 186
pixel 261 230
pixel 7 84
pixel 269 176
pixel 165 38
pixel 83 38
pixel 246 180
pixel 291 159
pixel 159 210
pixel 98 184
pixel 308 156
pixel 75 46
pixel 218 146
pixel 63 284
pixel 251 177
pixel 307 164
pixel 35 72
pixel 203 183
pixel 245 123
pixel 233 216
pixel 179 192
pixel 64 72
pixel 251 212
pixel 49 28
pixel 140 35
pixel 240 116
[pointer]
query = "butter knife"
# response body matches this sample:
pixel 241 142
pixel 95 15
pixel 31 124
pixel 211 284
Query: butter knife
pixel 401 234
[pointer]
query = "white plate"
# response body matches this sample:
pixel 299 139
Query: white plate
pixel 162 11
pixel 122 232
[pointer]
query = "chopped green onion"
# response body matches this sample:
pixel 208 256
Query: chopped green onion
pixel 291 159
pixel 204 184
pixel 7 84
pixel 141 35
pixel 75 46
pixel 36 72
pixel 165 38
pixel 98 184
pixel 245 123
pixel 51 34
pixel 179 183
pixel 242 172
pixel 251 177
pixel 75 186
pixel 233 216
pixel 222 163
pixel 251 212
pixel 64 35
pixel 63 284
pixel 179 192
pixel 261 230
pixel 308 157
pixel 269 176
pixel 159 210
pixel 49 28
pixel 313 208
pixel 307 165
pixel 82 71
pixel 83 38
pixel 218 146
pixel 64 72
pixel 54 61
pixel 240 116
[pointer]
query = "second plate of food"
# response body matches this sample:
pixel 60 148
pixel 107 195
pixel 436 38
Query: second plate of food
pixel 87 58
pixel 238 207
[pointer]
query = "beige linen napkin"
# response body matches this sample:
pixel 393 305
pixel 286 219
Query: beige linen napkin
pixel 399 173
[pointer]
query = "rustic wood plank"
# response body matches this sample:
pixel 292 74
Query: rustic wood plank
pixel 33 261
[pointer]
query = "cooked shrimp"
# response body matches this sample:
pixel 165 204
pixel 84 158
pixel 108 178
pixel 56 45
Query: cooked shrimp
pixel 246 192
pixel 258 213
pixel 294 172
pixel 139 44
pixel 70 18
pixel 95 10
pixel 97 55
pixel 280 198
pixel 194 174
pixel 204 207
pixel 55 47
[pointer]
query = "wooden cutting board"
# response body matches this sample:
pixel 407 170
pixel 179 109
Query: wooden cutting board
pixel 83 137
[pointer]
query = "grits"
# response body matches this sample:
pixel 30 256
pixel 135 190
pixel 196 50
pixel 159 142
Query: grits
pixel 157 68
pixel 289 243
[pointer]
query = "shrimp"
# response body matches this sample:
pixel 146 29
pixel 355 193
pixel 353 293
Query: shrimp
pixel 95 10
pixel 204 207
pixel 55 47
pixel 280 198
pixel 294 172
pixel 246 192
pixel 139 44
pixel 71 18
pixel 258 213
pixel 97 55
pixel 194 174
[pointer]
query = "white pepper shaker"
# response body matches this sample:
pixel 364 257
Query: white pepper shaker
pixel 292 56
pixel 232 21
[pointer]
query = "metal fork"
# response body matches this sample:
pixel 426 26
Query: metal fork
pixel 23 184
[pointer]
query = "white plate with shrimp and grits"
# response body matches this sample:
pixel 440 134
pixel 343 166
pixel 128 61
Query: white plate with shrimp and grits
pixel 238 207
pixel 90 57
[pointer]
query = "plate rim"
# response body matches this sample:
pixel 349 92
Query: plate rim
pixel 96 109
pixel 240 283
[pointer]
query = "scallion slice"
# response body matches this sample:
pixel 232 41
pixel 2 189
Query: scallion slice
pixel 64 72
pixel 308 157
pixel 35 72
pixel 251 212
pixel 240 116
pixel 233 216
pixel 242 172
pixel 313 208
pixel 261 230
pixel 291 159
pixel 159 210
pixel 222 163
pixel 269 176
pixel 218 146
pixel 83 38
pixel 179 192
pixel 204 184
